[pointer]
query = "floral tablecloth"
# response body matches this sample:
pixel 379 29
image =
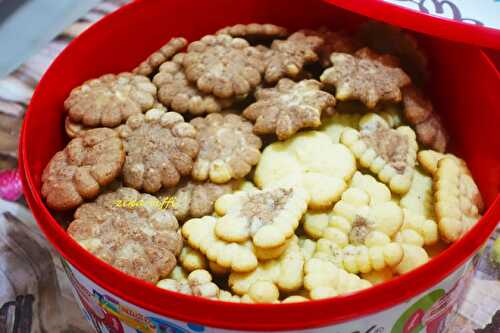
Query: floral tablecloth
pixel 34 292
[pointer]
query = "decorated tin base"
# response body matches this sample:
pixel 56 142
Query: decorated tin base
pixel 426 312
pixel 465 87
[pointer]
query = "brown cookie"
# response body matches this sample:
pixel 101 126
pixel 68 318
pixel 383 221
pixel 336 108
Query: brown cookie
pixel 393 40
pixel 110 99
pixel 289 56
pixel 129 231
pixel 288 107
pixel 77 173
pixel 419 112
pixel 223 66
pixel 160 148
pixel 385 59
pixel 333 41
pixel 195 199
pixel 73 129
pixel 366 80
pixel 228 147
pixel 254 31
pixel 166 52
pixel 177 93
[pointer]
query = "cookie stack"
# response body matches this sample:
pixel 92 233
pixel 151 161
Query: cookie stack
pixel 259 166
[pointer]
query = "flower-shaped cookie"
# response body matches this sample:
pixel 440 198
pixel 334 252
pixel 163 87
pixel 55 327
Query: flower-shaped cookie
pixel 198 283
pixel 200 234
pixel 254 32
pixel 366 80
pixel 160 148
pixel 417 230
pixel 191 259
pixel 372 257
pixel 289 56
pixel 457 198
pixel 289 107
pixel 389 153
pixel 325 279
pixel 333 41
pixel 77 173
pixel 286 272
pixel 110 99
pixel 309 160
pixel 268 217
pixel 224 66
pixel 228 148
pixel 418 111
pixel 365 212
pixel 195 199
pixel 130 231
pixel 180 95
pixel 419 227
pixel 166 52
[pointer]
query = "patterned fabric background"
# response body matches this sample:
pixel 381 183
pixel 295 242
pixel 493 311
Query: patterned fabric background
pixel 34 291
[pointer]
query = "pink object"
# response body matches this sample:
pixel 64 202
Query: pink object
pixel 10 185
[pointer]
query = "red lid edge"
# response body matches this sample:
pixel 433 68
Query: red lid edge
pixel 424 23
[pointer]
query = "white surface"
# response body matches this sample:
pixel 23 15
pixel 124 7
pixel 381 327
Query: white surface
pixel 485 11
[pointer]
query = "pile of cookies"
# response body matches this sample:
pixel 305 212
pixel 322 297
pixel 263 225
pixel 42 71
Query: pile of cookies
pixel 255 165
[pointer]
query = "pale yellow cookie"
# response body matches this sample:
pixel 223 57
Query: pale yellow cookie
pixel 262 291
pixel 366 258
pixel 334 126
pixel 295 299
pixel 428 160
pixel 414 256
pixel 198 283
pixel 389 153
pixel 268 217
pixel 391 113
pixel 192 259
pixel 309 160
pixel 286 272
pixel 420 198
pixel 226 296
pixel 377 277
pixel 458 201
pixel 417 230
pixel 324 279
pixel 365 211
pixel 200 234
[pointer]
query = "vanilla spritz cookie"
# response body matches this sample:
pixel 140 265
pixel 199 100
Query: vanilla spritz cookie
pixel 325 279
pixel 200 234
pixel 366 207
pixel 286 272
pixel 458 202
pixel 309 160
pixel 268 217
pixel 389 153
